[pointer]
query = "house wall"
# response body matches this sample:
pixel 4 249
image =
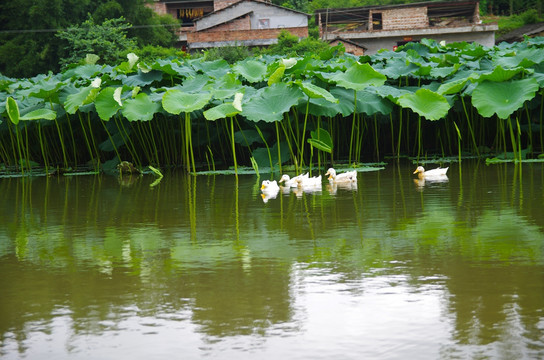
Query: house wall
pixel 209 38
pixel 259 12
pixel 237 24
pixel 484 35
pixel 407 18
pixel 221 4
pixel 157 7
pixel 350 48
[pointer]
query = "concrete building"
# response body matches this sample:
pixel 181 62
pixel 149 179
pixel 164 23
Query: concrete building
pixel 377 27
pixel 208 24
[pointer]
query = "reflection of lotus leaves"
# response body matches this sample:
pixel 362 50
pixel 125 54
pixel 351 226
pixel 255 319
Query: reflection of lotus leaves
pixel 126 167
pixel 127 179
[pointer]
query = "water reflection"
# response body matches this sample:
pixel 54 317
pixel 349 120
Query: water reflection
pixel 201 265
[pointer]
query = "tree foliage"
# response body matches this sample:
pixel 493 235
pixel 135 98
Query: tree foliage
pixel 28 45
pixel 107 40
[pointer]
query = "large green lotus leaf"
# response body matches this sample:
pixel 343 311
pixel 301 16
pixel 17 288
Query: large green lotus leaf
pixel 390 92
pixel 39 114
pixel 13 110
pixel 172 67
pixel 346 98
pixel 371 103
pixel 358 76
pixel 397 67
pixel 322 107
pixel 226 87
pixel 314 91
pixel 83 71
pixel 523 58
pixel 142 79
pixel 221 111
pixel 83 97
pixel 321 139
pixel 272 103
pixel 276 75
pixel 105 103
pixel 46 89
pixel 503 98
pixel 263 160
pixel 247 137
pixel 539 74
pixel 175 101
pixel 252 70
pixel 442 72
pixel 140 108
pixel 215 69
pixel 499 74
pixel 426 103
pixel 195 84
pixel 452 87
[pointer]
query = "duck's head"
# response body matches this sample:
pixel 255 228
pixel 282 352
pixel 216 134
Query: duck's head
pixel 331 172
pixel 419 170
pixel 284 177
pixel 265 184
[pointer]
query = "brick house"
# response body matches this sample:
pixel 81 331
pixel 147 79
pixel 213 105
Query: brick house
pixel 350 46
pixel 377 27
pixel 208 24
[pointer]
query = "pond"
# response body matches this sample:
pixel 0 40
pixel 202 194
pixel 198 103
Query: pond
pixel 93 267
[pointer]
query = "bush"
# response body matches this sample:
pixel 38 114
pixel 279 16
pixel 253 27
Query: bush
pixel 150 53
pixel 107 40
pixel 289 44
pixel 231 54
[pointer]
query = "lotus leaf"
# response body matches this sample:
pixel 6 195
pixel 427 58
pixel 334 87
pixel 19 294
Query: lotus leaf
pixel 247 137
pixel 503 98
pixel 176 101
pixel 276 75
pixel 321 140
pixel 271 103
pixel 426 103
pixel 140 108
pixel 452 87
pixel 226 87
pixel 172 67
pixel 252 70
pixel 39 114
pixel 314 91
pixel 13 110
pixel 358 76
pixel 221 111
pixel 106 103
pixel 143 79
pixel 499 74
pixel 195 84
pixel 83 97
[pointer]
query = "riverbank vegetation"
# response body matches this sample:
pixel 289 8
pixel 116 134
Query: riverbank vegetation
pixel 423 100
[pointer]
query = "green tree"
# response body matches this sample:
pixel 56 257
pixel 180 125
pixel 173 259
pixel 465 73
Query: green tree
pixel 289 44
pixel 107 40
pixel 28 45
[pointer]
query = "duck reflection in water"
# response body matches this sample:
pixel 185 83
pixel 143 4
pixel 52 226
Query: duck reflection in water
pixel 333 187
pixel 420 183
pixel 269 189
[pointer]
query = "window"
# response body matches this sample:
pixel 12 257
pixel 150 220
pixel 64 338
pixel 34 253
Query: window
pixel 264 23
pixel 376 21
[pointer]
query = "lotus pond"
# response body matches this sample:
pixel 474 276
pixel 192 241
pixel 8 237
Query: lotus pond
pixel 101 267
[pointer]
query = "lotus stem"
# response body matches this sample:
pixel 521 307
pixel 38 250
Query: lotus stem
pixel 233 146
pixel 304 133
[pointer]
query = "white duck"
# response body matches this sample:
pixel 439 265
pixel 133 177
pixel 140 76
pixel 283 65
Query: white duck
pixel 348 176
pixel 270 187
pixel 291 182
pixel 429 174
pixel 309 182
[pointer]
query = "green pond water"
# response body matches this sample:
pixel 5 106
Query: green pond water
pixel 202 267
